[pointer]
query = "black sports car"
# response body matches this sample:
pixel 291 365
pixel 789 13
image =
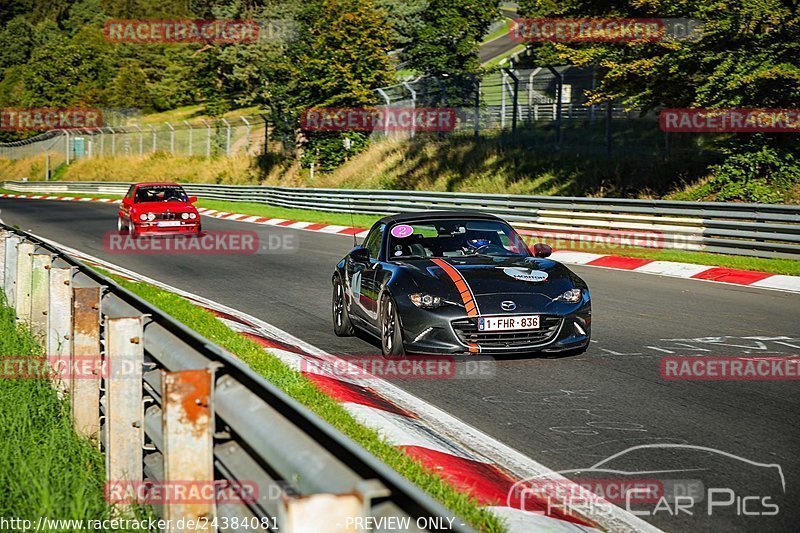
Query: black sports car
pixel 458 282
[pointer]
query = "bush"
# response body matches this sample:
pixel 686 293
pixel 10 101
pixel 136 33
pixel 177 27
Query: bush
pixel 328 151
pixel 765 175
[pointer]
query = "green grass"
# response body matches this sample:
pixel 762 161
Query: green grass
pixel 46 470
pixel 775 266
pixel 309 395
pixel 499 32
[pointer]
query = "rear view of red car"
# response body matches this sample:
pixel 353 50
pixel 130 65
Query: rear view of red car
pixel 158 209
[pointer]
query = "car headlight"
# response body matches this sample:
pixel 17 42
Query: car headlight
pixel 143 217
pixel 572 296
pixel 426 301
pixel 185 216
pixel 193 215
pixel 151 217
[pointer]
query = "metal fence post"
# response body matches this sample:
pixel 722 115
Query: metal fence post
pixel 59 330
pixel 85 388
pixel 66 147
pixel 123 400
pixel 10 270
pixel 208 139
pixel 188 435
pixel 113 141
pixel 413 108
pixel 171 138
pixel 227 137
pixel 155 141
pixel 515 101
pixel 23 285
pixel 246 135
pixel 40 295
pixel 609 115
pixel 559 89
pixel 188 125
pixel 3 236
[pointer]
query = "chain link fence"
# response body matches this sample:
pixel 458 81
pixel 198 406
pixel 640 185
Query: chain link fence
pixel 208 138
pixel 544 108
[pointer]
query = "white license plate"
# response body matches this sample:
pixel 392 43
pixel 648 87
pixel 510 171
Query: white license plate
pixel 504 323
pixel 169 224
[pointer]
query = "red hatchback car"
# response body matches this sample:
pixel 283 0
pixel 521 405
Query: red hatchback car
pixel 158 209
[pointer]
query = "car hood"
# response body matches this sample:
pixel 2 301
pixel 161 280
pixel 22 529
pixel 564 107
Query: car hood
pixel 532 283
pixel 165 207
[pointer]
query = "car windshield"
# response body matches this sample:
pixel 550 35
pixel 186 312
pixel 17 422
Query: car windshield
pixel 160 194
pixel 454 238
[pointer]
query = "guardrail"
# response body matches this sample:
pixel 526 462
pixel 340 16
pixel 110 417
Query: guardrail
pixel 761 230
pixel 172 409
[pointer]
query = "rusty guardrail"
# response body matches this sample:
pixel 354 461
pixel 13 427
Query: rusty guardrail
pixel 170 409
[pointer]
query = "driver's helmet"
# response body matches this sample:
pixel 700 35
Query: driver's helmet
pixel 475 244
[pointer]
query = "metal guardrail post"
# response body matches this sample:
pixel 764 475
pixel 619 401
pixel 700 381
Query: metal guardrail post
pixel 123 400
pixel 85 388
pixel 10 270
pixel 188 441
pixel 59 329
pixel 23 285
pixel 40 295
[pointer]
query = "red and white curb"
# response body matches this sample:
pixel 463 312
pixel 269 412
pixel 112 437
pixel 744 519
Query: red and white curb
pixel 731 276
pixel 467 458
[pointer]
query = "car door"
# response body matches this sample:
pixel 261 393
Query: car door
pixel 364 285
pixel 127 204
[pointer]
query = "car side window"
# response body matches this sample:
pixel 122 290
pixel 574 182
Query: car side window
pixel 129 195
pixel 374 240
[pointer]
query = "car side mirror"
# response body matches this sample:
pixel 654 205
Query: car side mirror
pixel 193 199
pixel 542 250
pixel 127 201
pixel 360 255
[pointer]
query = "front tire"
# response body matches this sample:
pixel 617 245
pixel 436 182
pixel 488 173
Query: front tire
pixel 342 326
pixel 122 227
pixel 391 330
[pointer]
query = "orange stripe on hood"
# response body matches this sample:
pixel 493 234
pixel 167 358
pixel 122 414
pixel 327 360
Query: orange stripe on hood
pixel 461 285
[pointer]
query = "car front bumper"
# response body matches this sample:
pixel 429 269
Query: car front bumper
pixel 448 330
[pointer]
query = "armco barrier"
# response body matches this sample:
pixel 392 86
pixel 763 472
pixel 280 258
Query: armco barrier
pixel 761 230
pixel 172 409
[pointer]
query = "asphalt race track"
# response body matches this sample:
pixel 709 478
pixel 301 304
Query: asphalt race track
pixel 569 412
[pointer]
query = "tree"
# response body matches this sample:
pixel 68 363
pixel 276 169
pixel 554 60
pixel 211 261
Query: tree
pixel 748 56
pixel 448 39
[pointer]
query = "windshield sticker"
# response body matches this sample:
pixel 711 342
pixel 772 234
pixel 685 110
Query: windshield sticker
pixel 401 231
pixel 525 274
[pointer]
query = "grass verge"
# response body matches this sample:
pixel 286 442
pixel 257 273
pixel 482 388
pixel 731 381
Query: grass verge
pixel 774 266
pixel 46 470
pixel 303 390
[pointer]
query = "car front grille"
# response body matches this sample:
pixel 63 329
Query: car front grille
pixel 168 216
pixel 467 331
